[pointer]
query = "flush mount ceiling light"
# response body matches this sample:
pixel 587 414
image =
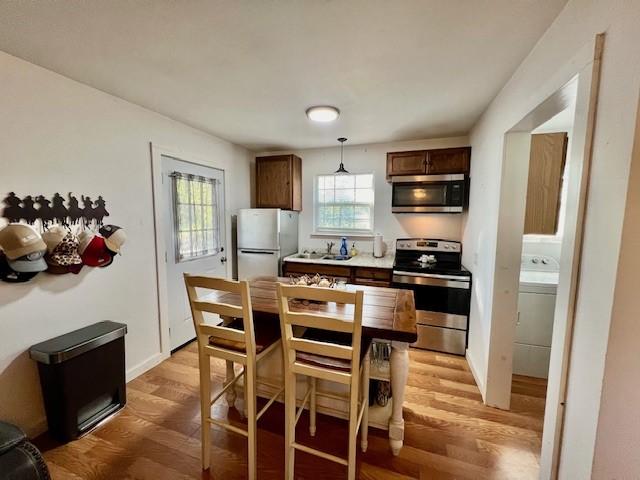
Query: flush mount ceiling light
pixel 341 168
pixel 322 113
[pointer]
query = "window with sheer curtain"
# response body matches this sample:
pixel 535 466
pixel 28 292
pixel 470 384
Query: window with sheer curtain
pixel 197 219
pixel 344 203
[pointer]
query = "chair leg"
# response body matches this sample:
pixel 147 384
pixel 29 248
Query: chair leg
pixel 250 408
pixel 353 432
pixel 290 424
pixel 312 406
pixel 205 409
pixel 245 410
pixel 231 393
pixel 364 427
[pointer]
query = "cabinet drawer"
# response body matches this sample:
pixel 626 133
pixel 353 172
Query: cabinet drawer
pixel 313 268
pixel 441 339
pixel 365 273
pixel 371 283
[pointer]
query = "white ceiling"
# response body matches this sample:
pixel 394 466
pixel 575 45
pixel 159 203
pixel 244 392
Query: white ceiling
pixel 246 70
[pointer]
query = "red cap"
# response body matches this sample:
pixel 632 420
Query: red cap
pixel 96 253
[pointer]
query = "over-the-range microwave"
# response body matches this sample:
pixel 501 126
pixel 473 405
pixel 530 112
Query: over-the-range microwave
pixel 429 193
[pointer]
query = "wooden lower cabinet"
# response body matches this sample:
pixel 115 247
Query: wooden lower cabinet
pixel 377 277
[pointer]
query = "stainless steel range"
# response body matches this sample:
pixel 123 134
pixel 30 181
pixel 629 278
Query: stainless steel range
pixel 442 290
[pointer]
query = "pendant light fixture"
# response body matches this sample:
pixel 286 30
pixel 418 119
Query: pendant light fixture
pixel 341 168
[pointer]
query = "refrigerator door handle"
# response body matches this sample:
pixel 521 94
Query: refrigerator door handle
pixel 259 252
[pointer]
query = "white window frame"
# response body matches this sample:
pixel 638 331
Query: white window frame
pixel 343 231
pixel 216 217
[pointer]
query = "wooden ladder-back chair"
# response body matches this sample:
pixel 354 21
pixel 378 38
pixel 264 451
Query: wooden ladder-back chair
pixel 240 341
pixel 330 349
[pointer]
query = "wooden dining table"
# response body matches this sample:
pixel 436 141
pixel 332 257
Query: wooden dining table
pixel 388 314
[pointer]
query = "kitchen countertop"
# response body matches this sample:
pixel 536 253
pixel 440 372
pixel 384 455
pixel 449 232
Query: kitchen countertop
pixel 364 259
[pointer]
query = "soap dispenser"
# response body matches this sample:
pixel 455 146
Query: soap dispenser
pixel 344 251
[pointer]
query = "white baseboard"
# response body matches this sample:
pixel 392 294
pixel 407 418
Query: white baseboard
pixel 145 365
pixel 480 381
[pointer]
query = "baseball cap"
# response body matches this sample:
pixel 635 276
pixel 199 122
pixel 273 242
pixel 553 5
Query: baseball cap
pixel 7 274
pixel 84 238
pixel 66 253
pixel 32 263
pixel 53 237
pixel 54 268
pixel 110 261
pixel 18 240
pixel 114 237
pixel 96 253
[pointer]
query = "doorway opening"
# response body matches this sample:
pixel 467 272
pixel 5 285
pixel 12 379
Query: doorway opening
pixel 544 223
pixel 539 242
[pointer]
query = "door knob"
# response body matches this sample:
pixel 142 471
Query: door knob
pixel 223 259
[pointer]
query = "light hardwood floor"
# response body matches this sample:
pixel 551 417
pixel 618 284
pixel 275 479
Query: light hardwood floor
pixel 449 433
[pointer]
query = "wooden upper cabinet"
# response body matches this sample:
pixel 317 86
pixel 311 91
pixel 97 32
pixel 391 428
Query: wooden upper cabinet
pixel 406 163
pixel 448 161
pixel 429 162
pixel 546 166
pixel 279 182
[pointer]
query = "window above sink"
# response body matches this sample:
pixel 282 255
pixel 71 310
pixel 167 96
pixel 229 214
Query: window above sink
pixel 344 204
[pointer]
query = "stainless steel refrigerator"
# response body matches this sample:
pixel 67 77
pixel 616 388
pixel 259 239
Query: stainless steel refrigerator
pixel 265 237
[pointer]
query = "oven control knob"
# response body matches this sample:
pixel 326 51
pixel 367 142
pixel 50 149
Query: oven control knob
pixel 447 247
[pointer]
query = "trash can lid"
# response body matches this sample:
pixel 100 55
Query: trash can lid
pixel 70 345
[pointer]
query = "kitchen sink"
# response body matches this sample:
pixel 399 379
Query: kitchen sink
pixel 336 257
pixel 314 256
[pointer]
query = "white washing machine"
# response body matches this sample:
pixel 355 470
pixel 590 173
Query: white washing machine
pixel 536 307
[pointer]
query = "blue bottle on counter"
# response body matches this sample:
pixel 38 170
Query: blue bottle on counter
pixel 344 251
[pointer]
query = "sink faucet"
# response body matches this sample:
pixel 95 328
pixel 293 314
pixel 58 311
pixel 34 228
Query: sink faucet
pixel 330 247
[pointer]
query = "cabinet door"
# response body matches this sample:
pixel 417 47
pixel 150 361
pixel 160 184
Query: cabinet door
pixel 377 277
pixel 273 182
pixel 406 163
pixel 546 166
pixel 448 161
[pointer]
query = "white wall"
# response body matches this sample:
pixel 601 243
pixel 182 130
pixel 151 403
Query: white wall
pixel 618 438
pixel 367 159
pixel 535 80
pixel 57 135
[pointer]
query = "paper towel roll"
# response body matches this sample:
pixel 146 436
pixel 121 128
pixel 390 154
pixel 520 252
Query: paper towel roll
pixel 378 246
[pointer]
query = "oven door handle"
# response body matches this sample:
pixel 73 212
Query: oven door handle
pixel 437 281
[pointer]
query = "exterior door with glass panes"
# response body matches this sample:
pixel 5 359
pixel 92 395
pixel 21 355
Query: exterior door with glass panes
pixel 193 197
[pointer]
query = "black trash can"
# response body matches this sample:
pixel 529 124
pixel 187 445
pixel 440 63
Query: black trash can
pixel 82 375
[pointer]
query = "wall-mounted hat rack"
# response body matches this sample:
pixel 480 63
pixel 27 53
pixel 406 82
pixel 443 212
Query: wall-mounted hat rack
pixel 57 210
